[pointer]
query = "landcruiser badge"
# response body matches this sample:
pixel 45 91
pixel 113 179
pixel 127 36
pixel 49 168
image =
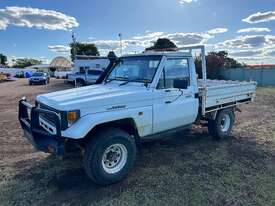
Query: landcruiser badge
pixel 117 107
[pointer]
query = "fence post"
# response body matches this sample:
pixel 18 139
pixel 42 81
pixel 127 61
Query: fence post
pixel 262 76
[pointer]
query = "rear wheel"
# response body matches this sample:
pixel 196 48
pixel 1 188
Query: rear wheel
pixel 109 156
pixel 222 126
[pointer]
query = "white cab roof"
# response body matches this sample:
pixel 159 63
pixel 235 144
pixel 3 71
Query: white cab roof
pixel 168 54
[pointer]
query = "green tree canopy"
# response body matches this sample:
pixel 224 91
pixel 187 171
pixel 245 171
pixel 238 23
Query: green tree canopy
pixel 79 48
pixel 162 43
pixel 3 59
pixel 25 62
pixel 216 61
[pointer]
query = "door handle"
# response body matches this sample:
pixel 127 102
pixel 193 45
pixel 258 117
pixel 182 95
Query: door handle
pixel 168 102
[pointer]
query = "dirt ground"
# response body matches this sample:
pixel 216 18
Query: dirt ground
pixel 187 169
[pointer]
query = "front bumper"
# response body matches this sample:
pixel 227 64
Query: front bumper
pixel 42 140
pixel 37 82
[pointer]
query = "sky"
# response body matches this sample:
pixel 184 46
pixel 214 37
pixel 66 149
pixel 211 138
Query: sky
pixel 42 29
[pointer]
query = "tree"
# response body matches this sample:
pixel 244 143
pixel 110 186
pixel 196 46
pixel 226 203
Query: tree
pixel 25 62
pixel 216 61
pixel 163 43
pixel 78 48
pixel 3 59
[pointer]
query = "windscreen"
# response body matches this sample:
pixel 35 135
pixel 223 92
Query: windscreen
pixel 37 74
pixel 136 69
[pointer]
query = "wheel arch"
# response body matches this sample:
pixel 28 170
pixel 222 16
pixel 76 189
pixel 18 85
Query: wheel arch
pixel 125 124
pixel 212 115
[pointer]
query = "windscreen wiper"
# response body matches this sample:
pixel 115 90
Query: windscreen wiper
pixel 135 80
pixel 117 78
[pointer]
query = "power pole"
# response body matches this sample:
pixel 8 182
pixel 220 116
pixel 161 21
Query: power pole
pixel 74 46
pixel 120 40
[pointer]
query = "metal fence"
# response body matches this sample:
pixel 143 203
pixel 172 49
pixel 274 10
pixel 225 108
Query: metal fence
pixel 264 77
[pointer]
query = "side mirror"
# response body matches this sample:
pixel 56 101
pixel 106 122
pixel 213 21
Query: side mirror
pixel 181 83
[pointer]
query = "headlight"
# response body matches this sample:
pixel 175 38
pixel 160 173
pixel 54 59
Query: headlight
pixel 72 116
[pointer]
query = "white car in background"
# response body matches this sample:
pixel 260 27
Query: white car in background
pixel 87 69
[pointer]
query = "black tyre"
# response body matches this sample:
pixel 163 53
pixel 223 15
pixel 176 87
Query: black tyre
pixel 222 126
pixel 80 83
pixel 109 156
pixel 30 83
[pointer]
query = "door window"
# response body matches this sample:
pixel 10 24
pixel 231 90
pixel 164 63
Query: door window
pixel 174 69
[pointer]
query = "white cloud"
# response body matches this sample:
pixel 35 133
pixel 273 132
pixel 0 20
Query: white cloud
pixel 250 48
pixel 246 42
pixel 34 17
pixel 246 53
pixel 185 39
pixel 264 53
pixel 140 42
pixel 186 1
pixel 3 24
pixel 59 48
pixel 179 38
pixel 270 53
pixel 260 17
pixel 217 31
pixel 247 30
pixel 147 39
pixel 254 56
pixel 107 44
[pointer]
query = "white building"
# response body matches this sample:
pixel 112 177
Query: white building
pixel 84 63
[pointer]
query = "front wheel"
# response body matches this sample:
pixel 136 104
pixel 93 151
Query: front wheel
pixel 222 126
pixel 79 83
pixel 109 156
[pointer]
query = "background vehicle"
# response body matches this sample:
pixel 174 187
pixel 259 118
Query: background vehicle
pixel 87 69
pixel 39 78
pixel 82 79
pixel 142 97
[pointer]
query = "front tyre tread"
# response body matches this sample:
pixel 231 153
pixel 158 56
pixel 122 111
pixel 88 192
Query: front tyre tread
pixel 94 154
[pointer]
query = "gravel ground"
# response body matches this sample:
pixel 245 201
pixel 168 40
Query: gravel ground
pixel 186 169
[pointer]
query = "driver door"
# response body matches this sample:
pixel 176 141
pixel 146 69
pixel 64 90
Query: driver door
pixel 173 107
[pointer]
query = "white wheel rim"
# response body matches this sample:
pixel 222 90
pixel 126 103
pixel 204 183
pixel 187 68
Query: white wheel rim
pixel 225 123
pixel 114 158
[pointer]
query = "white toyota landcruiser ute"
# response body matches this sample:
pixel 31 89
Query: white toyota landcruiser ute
pixel 142 97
